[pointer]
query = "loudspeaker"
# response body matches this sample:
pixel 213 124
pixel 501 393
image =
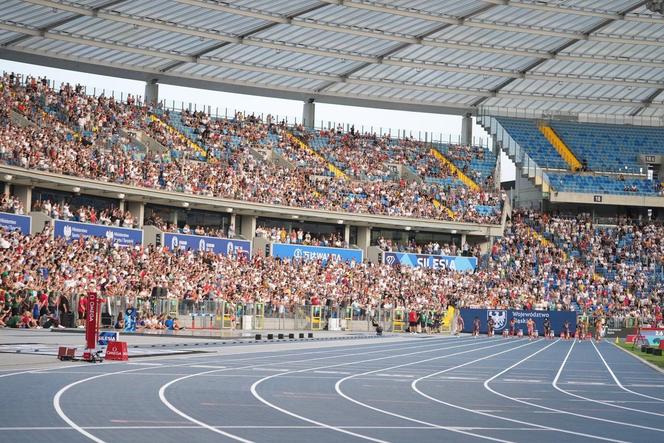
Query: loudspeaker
pixel 258 336
pixel 310 335
pixel 291 335
pixel 280 336
pixel 301 335
pixel 106 320
pixel 270 336
pixel 67 319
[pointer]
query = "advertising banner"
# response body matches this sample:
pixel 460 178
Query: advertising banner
pixel 204 243
pixel 310 253
pixel 92 322
pixel 107 336
pixel 75 230
pixel 653 335
pixel 502 318
pixel 12 222
pixel 454 263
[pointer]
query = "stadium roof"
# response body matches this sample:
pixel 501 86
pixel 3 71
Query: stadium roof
pixel 450 56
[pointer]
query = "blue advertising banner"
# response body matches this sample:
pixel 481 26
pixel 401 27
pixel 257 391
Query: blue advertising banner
pixel 310 253
pixel 74 230
pixel 502 318
pixel 12 222
pixel 107 336
pixel 454 263
pixel 204 243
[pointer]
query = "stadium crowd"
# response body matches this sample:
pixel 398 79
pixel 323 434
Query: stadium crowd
pixel 86 214
pixel 616 271
pixel 75 134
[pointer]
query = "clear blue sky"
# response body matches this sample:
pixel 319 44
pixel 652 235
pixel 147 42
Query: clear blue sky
pixel 440 125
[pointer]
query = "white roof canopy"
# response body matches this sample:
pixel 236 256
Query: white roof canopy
pixel 572 56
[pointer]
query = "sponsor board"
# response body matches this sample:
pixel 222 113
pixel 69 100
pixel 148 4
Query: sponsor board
pixel 13 222
pixel 311 253
pixel 72 231
pixel 502 318
pixel 454 263
pixel 201 243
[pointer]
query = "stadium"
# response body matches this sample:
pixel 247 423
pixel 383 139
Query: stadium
pixel 459 236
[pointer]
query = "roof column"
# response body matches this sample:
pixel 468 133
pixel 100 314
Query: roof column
pixel 152 92
pixel 466 130
pixel 309 113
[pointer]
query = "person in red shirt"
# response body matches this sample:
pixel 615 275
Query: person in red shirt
pixel 412 321
pixel 82 309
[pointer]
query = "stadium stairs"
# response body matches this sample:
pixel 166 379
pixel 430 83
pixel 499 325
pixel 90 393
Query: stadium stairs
pixel 463 177
pixel 304 146
pixel 564 151
pixel 525 165
pixel 192 145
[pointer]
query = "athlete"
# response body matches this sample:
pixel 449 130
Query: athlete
pixel 512 327
pixel 490 324
pixel 579 330
pixel 598 329
pixel 459 324
pixel 547 328
pixel 565 332
pixel 530 324
pixel 476 327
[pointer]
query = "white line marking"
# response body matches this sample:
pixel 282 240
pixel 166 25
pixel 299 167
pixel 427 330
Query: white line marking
pixel 66 419
pixel 337 387
pixel 475 411
pixel 458 378
pixel 555 385
pixel 165 401
pixel 120 428
pixel 620 384
pixel 207 367
pixel 254 391
pixel 332 372
pixel 591 383
pixel 269 369
pixel 521 380
pixel 144 364
pixel 560 411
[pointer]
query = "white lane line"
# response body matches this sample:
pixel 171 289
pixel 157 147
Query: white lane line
pixel 255 393
pixel 164 400
pixel 76 427
pixel 458 378
pixel 337 388
pixel 602 402
pixel 511 420
pixel 332 372
pixel 120 428
pixel 521 380
pixel 554 410
pixel 144 364
pixel 618 381
pixel 207 367
pixel 592 383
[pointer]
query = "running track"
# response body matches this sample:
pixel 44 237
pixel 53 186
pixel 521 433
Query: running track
pixel 396 389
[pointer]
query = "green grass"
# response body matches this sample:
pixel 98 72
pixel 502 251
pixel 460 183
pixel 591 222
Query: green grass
pixel 656 360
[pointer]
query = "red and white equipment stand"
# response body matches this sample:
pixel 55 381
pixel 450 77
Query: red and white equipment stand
pixel 92 328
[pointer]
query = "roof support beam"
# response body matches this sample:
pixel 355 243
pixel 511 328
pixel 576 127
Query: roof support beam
pixel 243 36
pixel 324 52
pixel 647 102
pixel 423 15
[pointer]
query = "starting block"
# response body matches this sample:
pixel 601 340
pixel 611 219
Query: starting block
pixel 66 354
pixel 506 333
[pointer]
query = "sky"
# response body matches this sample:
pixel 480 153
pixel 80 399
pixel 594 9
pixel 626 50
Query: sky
pixel 447 127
